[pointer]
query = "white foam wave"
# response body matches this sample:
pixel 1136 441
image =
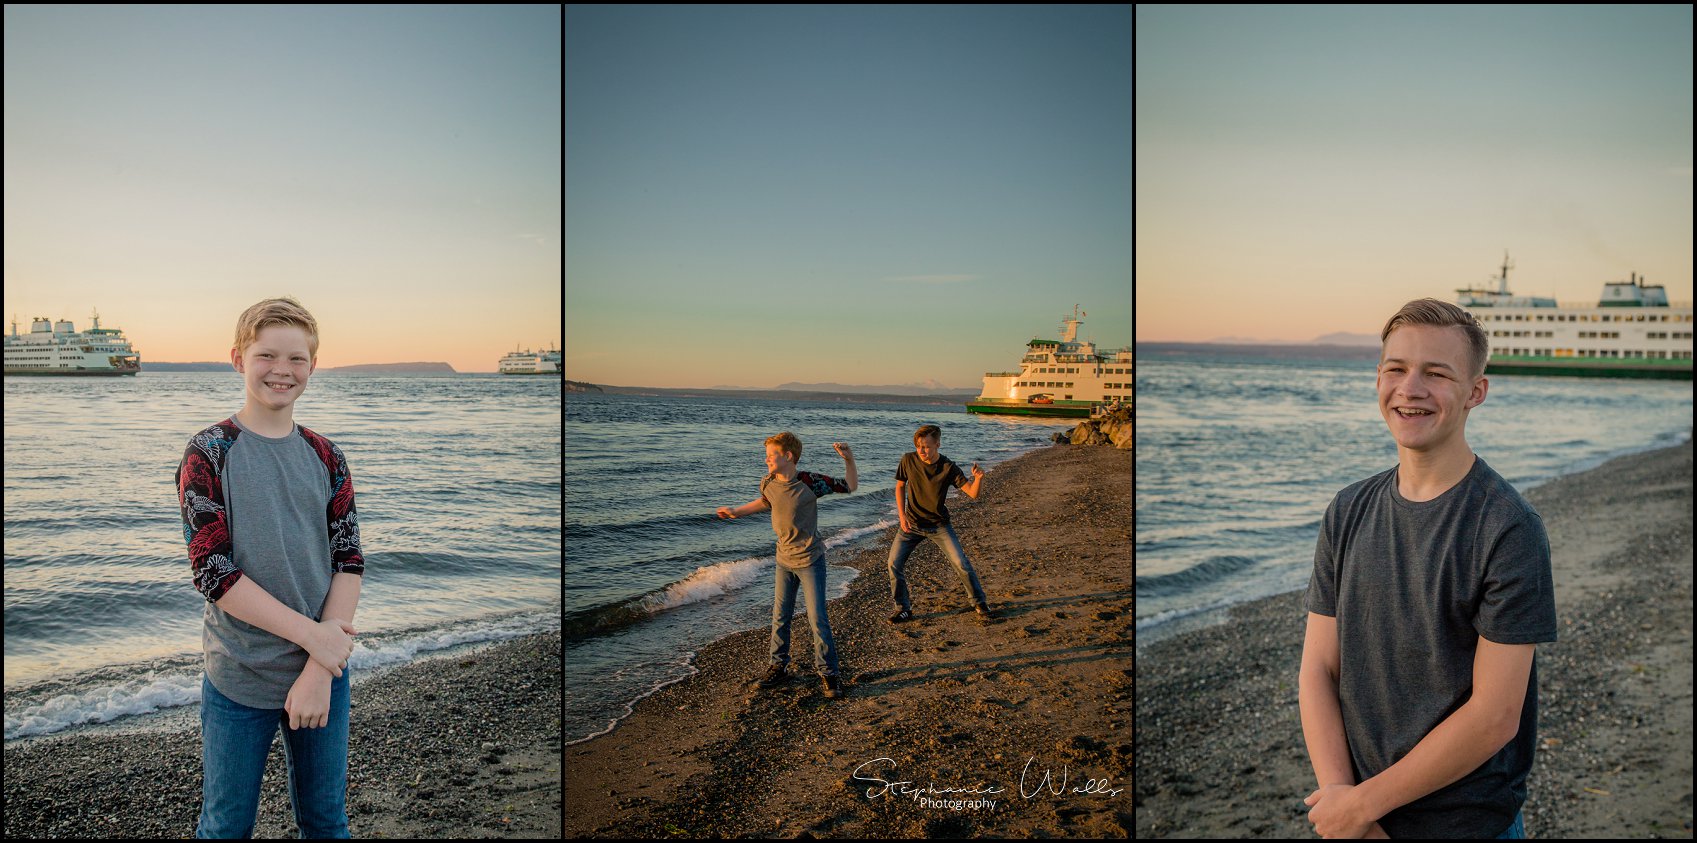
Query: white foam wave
pixel 156 690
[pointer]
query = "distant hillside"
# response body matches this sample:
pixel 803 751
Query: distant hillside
pixel 392 369
pixel 930 387
pixel 360 369
pixel 784 395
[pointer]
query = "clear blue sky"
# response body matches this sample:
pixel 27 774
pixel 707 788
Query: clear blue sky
pixel 395 168
pixel 1303 170
pixel 892 194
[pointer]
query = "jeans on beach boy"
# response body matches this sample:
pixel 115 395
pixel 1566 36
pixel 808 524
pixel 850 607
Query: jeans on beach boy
pixel 945 538
pixel 235 740
pixel 811 581
pixel 1517 829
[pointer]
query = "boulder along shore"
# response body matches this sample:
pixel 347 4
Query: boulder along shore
pixel 1220 751
pixel 942 716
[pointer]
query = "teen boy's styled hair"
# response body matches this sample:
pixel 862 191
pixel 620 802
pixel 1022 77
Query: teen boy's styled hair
pixel 930 430
pixel 788 443
pixel 275 312
pixel 1444 315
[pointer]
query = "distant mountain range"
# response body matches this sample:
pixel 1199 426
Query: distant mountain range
pixel 1339 338
pixel 927 387
pixel 358 369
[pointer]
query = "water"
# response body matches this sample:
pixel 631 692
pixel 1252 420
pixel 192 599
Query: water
pixel 457 484
pixel 1238 456
pixel 653 575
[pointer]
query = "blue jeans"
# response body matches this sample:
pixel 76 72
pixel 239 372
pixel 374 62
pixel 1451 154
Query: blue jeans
pixel 234 742
pixel 1517 829
pixel 811 581
pixel 946 539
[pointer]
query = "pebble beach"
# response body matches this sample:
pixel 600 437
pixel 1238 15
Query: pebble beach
pixel 1220 752
pixel 462 746
pixel 950 726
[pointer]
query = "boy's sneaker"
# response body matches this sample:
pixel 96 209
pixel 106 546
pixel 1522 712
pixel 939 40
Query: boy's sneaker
pixel 983 612
pixel 777 674
pixel 833 687
pixel 900 616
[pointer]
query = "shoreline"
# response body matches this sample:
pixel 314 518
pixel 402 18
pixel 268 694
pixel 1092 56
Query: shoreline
pixel 950 705
pixel 1218 728
pixel 479 732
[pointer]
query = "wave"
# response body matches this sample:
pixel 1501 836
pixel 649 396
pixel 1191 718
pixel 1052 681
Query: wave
pixel 1212 570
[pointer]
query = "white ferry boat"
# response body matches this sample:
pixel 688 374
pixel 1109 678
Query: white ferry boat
pixel 529 362
pixel 1065 378
pixel 58 348
pixel 1631 332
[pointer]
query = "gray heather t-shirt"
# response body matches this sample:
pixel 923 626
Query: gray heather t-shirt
pixel 1413 585
pixel 795 515
pixel 278 511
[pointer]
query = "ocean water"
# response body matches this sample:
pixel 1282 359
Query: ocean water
pixel 652 575
pixel 457 483
pixel 1238 457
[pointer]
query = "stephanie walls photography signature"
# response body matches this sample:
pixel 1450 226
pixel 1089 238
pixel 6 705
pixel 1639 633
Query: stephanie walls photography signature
pixel 1032 783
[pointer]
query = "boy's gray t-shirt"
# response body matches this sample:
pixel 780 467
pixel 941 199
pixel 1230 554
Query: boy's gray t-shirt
pixel 795 515
pixel 278 511
pixel 1413 585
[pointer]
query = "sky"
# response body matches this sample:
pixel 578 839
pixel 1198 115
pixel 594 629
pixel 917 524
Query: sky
pixel 1308 170
pixel 396 169
pixel 859 195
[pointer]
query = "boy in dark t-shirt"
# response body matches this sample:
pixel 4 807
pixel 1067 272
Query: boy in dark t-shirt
pixel 1431 586
pixel 792 496
pixel 922 482
pixel 273 544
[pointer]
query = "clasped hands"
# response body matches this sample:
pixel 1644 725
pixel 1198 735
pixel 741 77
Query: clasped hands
pixel 329 649
pixel 1337 811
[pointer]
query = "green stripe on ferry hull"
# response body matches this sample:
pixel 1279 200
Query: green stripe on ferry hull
pixel 1067 409
pixel 1590 367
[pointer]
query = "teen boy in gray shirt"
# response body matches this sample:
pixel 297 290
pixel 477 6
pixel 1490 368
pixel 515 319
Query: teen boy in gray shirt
pixel 1431 585
pixel 792 496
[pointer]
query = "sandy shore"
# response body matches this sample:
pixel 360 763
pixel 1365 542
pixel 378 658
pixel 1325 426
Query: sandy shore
pixel 1219 734
pixel 950 702
pixel 464 746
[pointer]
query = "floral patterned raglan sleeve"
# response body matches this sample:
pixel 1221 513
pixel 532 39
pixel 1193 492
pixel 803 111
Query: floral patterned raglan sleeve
pixel 345 557
pixel 340 519
pixel 822 484
pixel 200 495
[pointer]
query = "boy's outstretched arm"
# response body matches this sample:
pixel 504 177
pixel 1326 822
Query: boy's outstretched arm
pixel 753 506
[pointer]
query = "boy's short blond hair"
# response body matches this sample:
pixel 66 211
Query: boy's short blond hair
pixel 270 312
pixel 929 430
pixel 1442 314
pixel 788 443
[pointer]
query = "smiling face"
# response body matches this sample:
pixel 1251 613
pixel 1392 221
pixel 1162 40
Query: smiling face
pixel 278 357
pixel 1427 386
pixel 777 460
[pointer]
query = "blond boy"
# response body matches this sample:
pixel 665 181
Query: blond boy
pixel 792 497
pixel 273 545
